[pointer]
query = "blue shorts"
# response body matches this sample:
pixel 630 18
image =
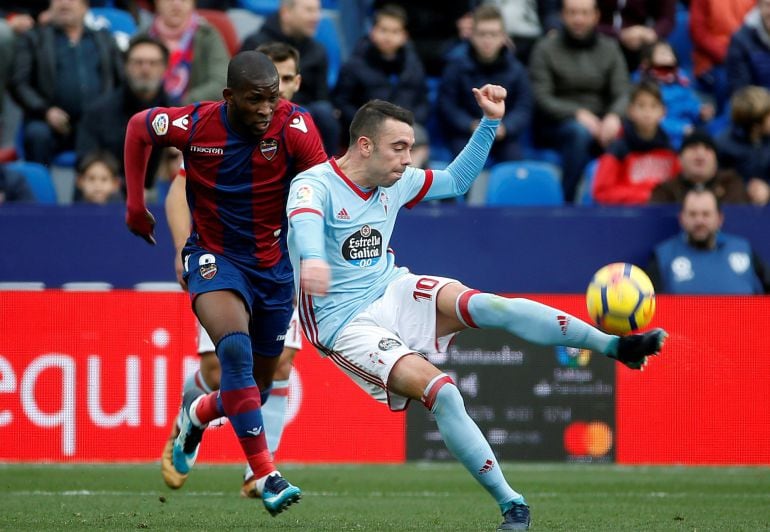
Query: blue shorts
pixel 267 292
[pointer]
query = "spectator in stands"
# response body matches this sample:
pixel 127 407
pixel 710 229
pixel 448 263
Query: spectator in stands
pixel 286 60
pixel 384 67
pixel 748 56
pixel 57 69
pixel 704 260
pixel 15 19
pixel 526 21
pixel 97 179
pixel 699 169
pixel 636 24
pixel 712 23
pixel 435 27
pixel 103 126
pixel 14 187
pixel 745 146
pixel 486 59
pixel 580 83
pixel 198 58
pixel 642 157
pixel 295 23
pixel 684 110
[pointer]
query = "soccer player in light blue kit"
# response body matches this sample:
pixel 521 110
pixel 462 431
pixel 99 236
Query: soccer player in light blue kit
pixel 376 320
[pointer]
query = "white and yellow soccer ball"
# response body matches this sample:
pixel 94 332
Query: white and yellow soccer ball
pixel 620 298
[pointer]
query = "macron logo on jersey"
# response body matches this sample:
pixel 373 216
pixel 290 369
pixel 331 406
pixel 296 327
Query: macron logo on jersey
pixel 299 123
pixel 207 150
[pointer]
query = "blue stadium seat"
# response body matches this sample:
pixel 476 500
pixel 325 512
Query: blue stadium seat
pixel 681 41
pixel 117 20
pixel 260 7
pixel 328 34
pixel 38 179
pixel 524 183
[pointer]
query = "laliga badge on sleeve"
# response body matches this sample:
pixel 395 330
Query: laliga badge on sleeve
pixel 160 124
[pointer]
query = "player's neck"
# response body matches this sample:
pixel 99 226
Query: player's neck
pixel 352 171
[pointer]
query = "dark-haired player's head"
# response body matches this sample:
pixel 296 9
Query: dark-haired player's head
pixel 286 60
pixel 251 92
pixel 381 135
pixel 646 108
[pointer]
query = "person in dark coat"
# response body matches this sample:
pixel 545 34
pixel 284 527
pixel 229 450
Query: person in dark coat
pixel 57 69
pixel 384 67
pixel 103 127
pixel 485 60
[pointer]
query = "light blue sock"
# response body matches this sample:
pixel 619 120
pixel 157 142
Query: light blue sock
pixel 274 414
pixel 534 322
pixel 466 442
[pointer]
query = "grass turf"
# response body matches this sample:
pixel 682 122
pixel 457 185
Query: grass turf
pixel 410 497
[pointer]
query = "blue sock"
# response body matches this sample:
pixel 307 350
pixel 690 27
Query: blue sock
pixel 238 390
pixel 532 321
pixel 274 414
pixel 466 442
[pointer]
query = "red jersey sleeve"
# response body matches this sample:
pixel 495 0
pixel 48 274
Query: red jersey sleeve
pixel 303 140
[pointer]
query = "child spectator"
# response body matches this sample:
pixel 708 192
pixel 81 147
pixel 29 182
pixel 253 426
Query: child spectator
pixel 745 146
pixel 642 157
pixel 384 67
pixel 684 110
pixel 97 180
pixel 486 59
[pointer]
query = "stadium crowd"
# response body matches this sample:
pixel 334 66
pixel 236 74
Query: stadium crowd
pixel 606 95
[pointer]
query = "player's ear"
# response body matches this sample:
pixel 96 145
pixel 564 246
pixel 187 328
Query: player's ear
pixel 227 94
pixel 365 146
pixel 298 81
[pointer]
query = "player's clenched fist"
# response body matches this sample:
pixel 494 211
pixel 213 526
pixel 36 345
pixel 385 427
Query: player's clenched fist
pixel 491 99
pixel 314 276
pixel 141 222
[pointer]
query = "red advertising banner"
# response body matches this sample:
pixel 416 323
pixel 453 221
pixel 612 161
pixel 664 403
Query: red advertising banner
pixel 97 377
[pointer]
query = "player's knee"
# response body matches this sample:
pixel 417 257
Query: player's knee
pixel 234 353
pixel 441 390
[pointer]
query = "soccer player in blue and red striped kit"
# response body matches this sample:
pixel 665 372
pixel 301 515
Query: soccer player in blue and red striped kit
pixel 240 155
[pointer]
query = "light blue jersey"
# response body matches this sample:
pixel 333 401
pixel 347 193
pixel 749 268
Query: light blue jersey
pixel 333 219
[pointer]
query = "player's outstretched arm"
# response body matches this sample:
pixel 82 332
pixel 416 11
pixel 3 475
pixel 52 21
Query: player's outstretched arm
pixel 137 150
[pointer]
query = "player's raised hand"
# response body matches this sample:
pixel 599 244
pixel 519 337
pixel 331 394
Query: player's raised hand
pixel 314 276
pixel 141 222
pixel 491 99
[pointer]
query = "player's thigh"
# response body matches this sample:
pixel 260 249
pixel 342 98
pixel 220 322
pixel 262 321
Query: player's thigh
pixel 367 353
pixel 411 375
pixel 221 312
pixel 447 321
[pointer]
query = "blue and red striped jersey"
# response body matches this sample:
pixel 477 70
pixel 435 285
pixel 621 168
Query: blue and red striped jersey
pixel 237 187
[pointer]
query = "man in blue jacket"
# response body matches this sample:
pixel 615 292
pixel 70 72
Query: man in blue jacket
pixel 702 259
pixel 486 59
pixel 748 56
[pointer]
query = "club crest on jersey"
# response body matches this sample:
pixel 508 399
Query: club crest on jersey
pixel 384 200
pixel 208 271
pixel 160 124
pixel 268 148
pixel 363 248
pixel 388 343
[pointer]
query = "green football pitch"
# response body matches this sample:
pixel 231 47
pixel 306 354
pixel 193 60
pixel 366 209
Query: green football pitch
pixel 414 496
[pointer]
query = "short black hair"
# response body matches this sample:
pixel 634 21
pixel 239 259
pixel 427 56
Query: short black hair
pixel 251 66
pixel 278 52
pixel 392 11
pixel 146 39
pixel 369 118
pixel 99 156
pixel 701 188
